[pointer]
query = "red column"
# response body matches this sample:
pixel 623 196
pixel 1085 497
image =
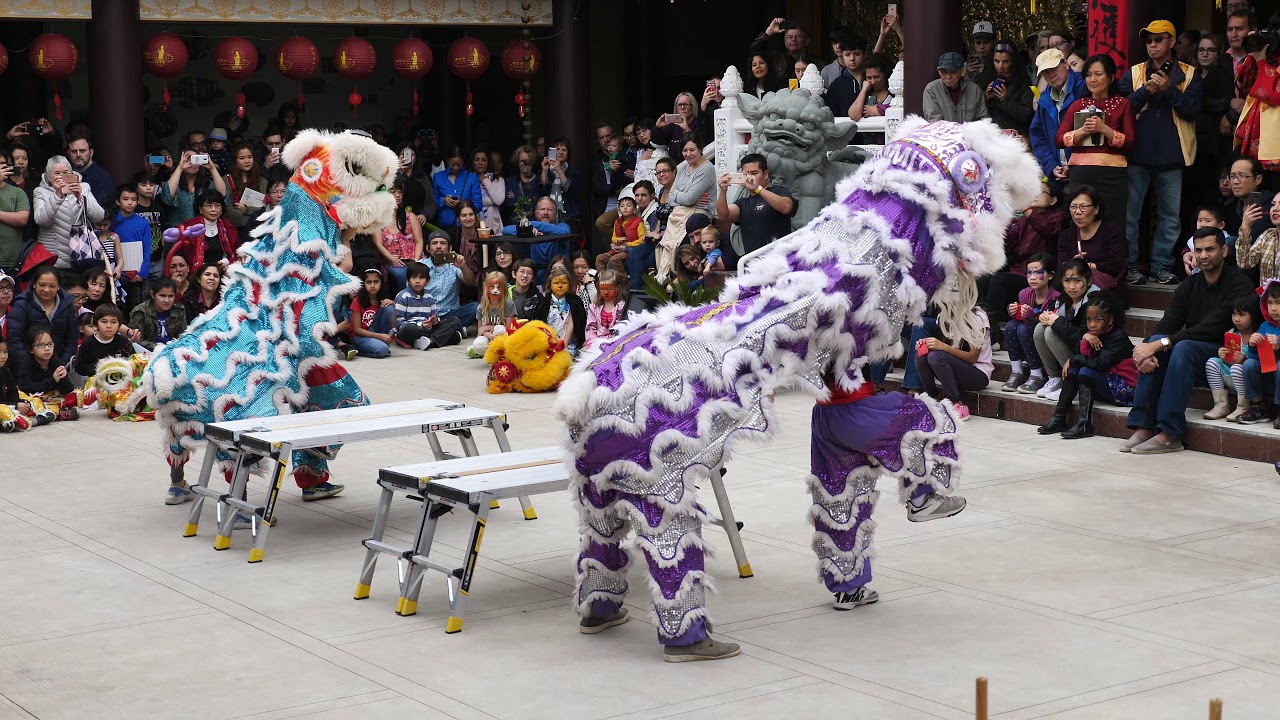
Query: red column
pixel 115 86
pixel 931 28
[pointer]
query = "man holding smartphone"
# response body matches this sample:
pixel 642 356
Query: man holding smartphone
pixel 15 211
pixel 1165 95
pixel 763 211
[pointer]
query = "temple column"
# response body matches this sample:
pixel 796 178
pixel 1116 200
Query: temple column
pixel 115 86
pixel 929 33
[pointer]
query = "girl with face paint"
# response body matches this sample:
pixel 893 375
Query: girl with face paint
pixel 609 309
pixel 496 309
pixel 563 310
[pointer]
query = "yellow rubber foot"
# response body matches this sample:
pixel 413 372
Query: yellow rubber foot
pixel 255 555
pixel 454 625
pixel 362 592
pixel 399 604
pixel 493 505
pixel 530 514
pixel 222 542
pixel 745 571
pixel 408 607
pixel 190 530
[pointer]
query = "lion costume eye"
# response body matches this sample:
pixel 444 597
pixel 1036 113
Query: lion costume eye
pixel 354 168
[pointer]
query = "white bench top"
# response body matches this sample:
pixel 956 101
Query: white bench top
pixel 499 475
pixel 369 422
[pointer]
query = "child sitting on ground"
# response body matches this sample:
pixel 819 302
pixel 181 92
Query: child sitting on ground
pixel 9 394
pixel 562 310
pixel 418 321
pixel 106 341
pixel 161 318
pixel 1062 324
pixel 1101 368
pixel 372 317
pixel 1206 216
pixel 87 328
pixel 1260 386
pixel 1019 332
pixel 583 283
pixel 948 368
pixel 523 293
pixel 1228 366
pixel 43 381
pixel 628 232
pixel 492 315
pixel 609 309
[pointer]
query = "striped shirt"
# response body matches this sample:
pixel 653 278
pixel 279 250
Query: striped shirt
pixel 414 308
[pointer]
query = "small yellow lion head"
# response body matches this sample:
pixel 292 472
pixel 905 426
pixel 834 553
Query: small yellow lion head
pixel 115 381
pixel 529 358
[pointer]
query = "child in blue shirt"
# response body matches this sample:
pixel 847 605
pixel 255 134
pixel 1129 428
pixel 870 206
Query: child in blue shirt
pixel 134 237
pixel 1258 387
pixel 418 323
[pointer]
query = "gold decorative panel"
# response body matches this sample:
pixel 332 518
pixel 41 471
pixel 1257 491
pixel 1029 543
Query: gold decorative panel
pixel 418 12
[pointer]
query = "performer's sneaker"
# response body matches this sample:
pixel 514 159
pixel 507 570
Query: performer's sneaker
pixel 851 600
pixel 593 625
pixel 936 507
pixel 704 649
pixel 177 495
pixel 323 490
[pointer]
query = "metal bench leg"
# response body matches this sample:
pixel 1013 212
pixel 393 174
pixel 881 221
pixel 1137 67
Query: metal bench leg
pixel 436 450
pixel 410 573
pixel 500 434
pixel 470 449
pixel 226 513
pixel 280 458
pixel 206 469
pixel 371 555
pixel 730 525
pixel 458 600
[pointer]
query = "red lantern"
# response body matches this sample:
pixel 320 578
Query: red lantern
pixel 298 59
pixel 235 58
pixel 468 58
pixel 411 59
pixel 54 57
pixel 164 55
pixel 4 59
pixel 521 63
pixel 354 59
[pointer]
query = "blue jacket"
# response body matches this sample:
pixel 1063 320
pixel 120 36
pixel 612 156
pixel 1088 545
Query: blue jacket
pixel 542 253
pixel 1044 126
pixel 135 228
pixel 466 187
pixel 27 312
pixel 1158 145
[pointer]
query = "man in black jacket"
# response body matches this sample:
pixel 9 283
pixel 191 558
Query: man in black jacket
pixel 1172 361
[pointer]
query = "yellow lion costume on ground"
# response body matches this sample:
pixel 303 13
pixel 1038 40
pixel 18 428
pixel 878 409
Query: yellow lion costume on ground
pixel 115 381
pixel 529 358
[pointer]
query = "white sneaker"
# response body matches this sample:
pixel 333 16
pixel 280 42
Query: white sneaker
pixel 851 600
pixel 936 507
pixel 1054 395
pixel 423 343
pixel 1053 385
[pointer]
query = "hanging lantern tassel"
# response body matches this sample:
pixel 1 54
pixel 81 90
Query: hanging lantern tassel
pixel 415 100
pixel 57 102
pixel 470 108
pixel 355 100
pixel 302 100
pixel 240 105
pixel 166 97
pixel 520 102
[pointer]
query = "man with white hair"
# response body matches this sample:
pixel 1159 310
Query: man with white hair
pixel 62 201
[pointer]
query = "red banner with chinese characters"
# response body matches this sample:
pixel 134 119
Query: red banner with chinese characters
pixel 1109 30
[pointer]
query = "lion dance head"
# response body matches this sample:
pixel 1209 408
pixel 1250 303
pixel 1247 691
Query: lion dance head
pixel 529 358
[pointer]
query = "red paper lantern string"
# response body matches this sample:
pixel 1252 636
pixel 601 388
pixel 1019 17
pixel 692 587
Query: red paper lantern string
pixel 470 108
pixel 411 59
pixel 297 59
pixel 165 56
pixel 354 58
pixel 54 57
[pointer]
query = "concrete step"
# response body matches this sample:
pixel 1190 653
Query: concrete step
pixel 1151 296
pixel 1247 442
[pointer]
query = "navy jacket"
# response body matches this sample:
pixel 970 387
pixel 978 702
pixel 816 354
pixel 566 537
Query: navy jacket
pixel 1157 145
pixel 27 312
pixel 1044 125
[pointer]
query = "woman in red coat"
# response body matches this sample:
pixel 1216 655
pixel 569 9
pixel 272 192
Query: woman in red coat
pixel 1099 149
pixel 219 242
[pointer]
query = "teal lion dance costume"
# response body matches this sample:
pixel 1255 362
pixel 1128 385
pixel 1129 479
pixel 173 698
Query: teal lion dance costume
pixel 261 352
pixel 650 413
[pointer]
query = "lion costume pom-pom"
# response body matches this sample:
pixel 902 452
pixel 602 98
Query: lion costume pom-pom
pixel 529 359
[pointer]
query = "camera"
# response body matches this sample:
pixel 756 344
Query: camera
pixel 1264 37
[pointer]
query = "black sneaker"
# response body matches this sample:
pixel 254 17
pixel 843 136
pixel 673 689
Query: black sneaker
pixel 1256 414
pixel 1135 277
pixel 851 600
pixel 1164 277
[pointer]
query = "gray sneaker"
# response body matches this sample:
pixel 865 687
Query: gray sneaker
pixel 936 507
pixel 1013 383
pixel 593 625
pixel 851 600
pixel 705 649
pixel 1135 277
pixel 1032 386
pixel 1164 277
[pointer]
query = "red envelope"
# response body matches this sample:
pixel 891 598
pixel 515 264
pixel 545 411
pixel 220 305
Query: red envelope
pixel 1232 341
pixel 1266 357
pixel 922 349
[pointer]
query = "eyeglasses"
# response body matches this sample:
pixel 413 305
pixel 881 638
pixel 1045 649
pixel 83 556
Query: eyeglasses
pixel 1060 44
pixel 1153 39
pixel 41 346
pixel 1079 207
pixel 1036 273
pixel 1207 50
pixel 501 252
pixel 1239 176
pixel 198 145
pixel 684 105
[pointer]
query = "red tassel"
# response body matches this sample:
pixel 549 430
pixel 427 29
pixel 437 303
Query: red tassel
pixel 240 105
pixel 415 102
pixel 57 104
pixel 355 100
pixel 302 101
pixel 166 96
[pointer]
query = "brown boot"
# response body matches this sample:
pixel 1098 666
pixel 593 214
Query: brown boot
pixel 1221 406
pixel 1242 407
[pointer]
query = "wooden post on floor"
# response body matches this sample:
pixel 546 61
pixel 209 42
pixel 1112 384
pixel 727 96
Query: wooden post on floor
pixel 1215 709
pixel 981 713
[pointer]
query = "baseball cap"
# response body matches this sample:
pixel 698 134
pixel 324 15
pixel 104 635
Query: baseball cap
pixel 1048 60
pixel 6 279
pixel 696 222
pixel 218 134
pixel 984 29
pixel 438 234
pixel 1158 26
pixel 951 61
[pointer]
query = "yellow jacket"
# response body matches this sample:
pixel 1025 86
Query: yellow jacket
pixel 1186 126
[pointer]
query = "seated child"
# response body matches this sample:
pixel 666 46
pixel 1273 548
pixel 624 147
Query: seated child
pixel 628 232
pixel 42 380
pixel 161 318
pixel 1206 216
pixel 372 317
pixel 563 310
pixel 1260 386
pixel 1019 332
pixel 504 260
pixel 584 276
pixel 523 293
pixel 609 309
pixel 1246 319
pixel 493 313
pixel 106 341
pixel 948 368
pixel 712 256
pixel 1101 368
pixel 9 396
pixel 87 328
pixel 418 322
pixel 1062 323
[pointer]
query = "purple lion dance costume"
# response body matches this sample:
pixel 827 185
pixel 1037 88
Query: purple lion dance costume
pixel 652 412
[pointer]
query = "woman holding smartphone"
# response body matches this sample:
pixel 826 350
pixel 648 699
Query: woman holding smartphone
pixel 188 182
pixel 453 185
pixel 493 190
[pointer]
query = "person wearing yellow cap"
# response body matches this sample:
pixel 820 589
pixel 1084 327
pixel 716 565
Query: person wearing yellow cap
pixel 1165 95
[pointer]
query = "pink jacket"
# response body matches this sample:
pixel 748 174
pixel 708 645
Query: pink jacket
pixel 602 320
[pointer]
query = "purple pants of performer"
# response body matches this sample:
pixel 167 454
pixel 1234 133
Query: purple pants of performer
pixel 855 444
